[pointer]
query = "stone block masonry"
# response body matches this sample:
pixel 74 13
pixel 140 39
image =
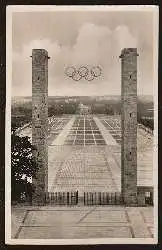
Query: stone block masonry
pixel 40 121
pixel 129 126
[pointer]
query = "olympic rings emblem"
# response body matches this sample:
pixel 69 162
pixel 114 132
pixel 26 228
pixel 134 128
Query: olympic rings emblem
pixel 83 72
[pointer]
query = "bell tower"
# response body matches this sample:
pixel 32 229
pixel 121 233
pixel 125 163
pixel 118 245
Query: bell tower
pixel 40 121
pixel 129 125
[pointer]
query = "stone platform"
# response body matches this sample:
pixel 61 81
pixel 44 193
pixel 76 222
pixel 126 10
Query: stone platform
pixel 82 222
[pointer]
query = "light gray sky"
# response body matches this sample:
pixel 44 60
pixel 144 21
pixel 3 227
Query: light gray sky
pixel 78 38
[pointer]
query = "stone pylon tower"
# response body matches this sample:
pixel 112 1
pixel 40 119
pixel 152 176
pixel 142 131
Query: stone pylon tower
pixel 129 125
pixel 40 121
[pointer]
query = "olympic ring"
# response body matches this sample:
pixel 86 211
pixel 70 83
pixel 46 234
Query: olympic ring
pixel 83 72
pixel 69 71
pixel 96 71
pixel 76 76
pixel 89 77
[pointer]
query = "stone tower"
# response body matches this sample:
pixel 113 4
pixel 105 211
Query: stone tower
pixel 40 121
pixel 129 125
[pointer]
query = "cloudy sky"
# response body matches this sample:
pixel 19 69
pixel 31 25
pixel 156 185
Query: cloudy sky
pixel 81 38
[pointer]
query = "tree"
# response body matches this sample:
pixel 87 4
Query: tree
pixel 109 109
pixel 22 167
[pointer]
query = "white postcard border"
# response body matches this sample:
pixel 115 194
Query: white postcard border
pixel 38 8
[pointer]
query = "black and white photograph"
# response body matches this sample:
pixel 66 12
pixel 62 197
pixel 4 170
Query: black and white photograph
pixel 81 163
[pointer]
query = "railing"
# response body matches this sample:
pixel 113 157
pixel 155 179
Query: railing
pixel 102 198
pixel 20 129
pixel 145 195
pixel 62 198
pixel 144 198
pixel 146 129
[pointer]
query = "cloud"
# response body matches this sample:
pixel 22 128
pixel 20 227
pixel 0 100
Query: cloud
pixel 125 38
pixel 90 43
pixel 95 45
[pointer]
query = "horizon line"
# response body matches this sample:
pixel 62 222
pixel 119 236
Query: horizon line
pixel 79 95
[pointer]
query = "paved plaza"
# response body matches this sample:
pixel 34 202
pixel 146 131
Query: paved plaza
pixel 82 222
pixel 84 155
pixel 83 169
pixel 88 158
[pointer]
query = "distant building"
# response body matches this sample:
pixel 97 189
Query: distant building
pixel 83 109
